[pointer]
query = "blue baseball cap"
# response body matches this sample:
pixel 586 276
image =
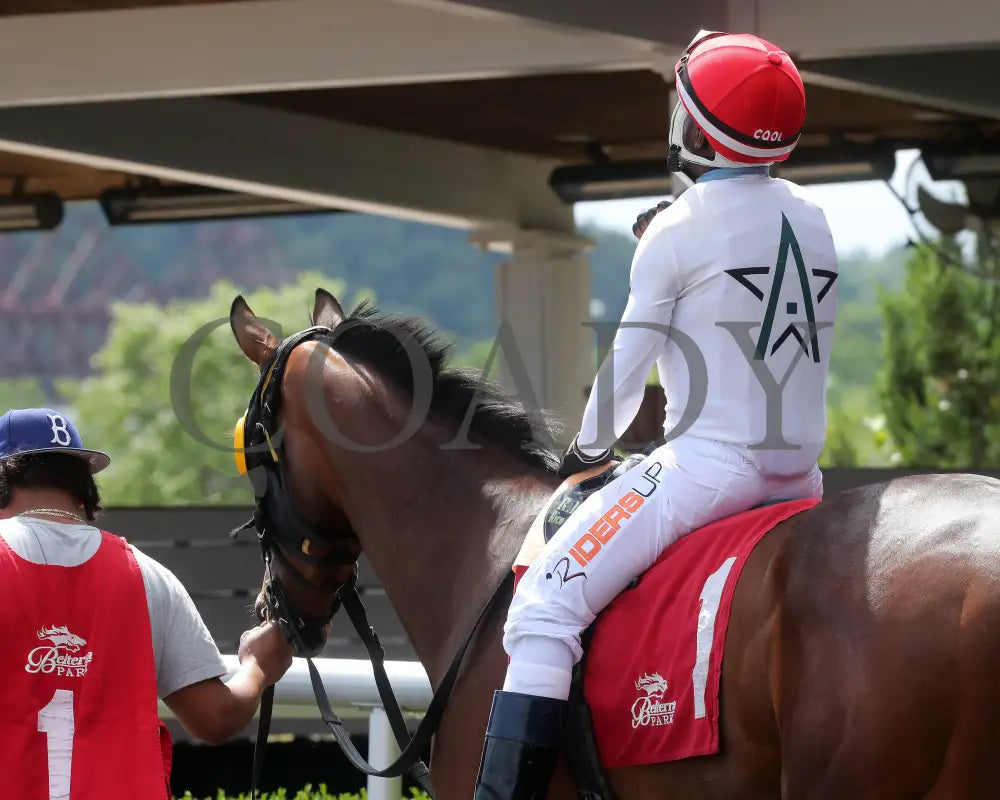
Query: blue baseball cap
pixel 42 430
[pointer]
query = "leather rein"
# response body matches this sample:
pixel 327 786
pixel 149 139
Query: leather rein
pixel 279 524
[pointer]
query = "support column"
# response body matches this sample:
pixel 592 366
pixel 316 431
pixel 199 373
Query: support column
pixel 382 751
pixel 546 354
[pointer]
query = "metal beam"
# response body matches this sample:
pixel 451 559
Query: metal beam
pixel 960 81
pixel 914 51
pixel 817 29
pixel 807 28
pixel 305 159
pixel 272 45
pixel 670 22
pixel 940 56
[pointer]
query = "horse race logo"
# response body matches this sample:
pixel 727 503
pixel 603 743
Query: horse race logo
pixel 55 657
pixel 648 709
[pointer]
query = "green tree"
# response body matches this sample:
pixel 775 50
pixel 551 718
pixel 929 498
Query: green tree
pixel 855 433
pixel 938 385
pixel 855 359
pixel 134 407
pixel 21 393
pixel 476 355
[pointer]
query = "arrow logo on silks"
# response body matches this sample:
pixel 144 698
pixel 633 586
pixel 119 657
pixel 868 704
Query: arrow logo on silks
pixel 788 244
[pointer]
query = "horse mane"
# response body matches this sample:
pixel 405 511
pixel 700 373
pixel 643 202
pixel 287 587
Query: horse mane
pixel 372 337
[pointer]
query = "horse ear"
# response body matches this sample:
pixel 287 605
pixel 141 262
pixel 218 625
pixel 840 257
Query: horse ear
pixel 327 311
pixel 256 341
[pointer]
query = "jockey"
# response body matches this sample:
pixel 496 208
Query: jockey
pixel 733 297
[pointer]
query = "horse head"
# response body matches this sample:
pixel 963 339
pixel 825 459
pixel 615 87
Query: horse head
pixel 359 437
pixel 309 547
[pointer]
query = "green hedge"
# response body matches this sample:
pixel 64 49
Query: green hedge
pixel 305 793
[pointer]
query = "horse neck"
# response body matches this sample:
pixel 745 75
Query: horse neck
pixel 442 534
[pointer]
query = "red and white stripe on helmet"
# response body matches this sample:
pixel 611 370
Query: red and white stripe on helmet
pixel 745 94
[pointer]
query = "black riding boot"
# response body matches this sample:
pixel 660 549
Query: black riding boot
pixel 523 739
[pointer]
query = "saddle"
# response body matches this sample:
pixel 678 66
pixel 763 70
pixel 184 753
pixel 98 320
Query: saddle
pixel 578 488
pixel 565 500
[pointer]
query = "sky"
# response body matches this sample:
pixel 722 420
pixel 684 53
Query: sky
pixel 862 216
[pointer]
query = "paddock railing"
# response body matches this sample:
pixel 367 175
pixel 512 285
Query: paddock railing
pixel 350 685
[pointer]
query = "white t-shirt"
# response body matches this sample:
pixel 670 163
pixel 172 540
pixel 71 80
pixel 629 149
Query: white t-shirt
pixel 738 266
pixel 183 649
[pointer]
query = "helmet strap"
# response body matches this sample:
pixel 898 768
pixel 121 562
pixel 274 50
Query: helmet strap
pixel 679 156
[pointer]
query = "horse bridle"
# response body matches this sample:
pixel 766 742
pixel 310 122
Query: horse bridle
pixel 257 449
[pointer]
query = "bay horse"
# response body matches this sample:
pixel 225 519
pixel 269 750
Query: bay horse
pixel 862 658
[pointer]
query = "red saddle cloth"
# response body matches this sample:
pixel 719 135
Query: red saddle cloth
pixel 653 665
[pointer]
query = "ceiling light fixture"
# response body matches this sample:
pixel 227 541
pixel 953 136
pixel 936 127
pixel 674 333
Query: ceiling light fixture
pixel 30 212
pixel 150 204
pixel 627 179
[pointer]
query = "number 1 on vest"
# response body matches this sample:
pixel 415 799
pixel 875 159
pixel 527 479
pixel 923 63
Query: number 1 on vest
pixel 56 721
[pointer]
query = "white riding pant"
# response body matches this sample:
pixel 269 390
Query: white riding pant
pixel 617 534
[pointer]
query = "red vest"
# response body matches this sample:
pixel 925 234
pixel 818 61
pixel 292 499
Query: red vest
pixel 78 714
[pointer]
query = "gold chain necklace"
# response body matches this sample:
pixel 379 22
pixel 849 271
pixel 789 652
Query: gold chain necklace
pixel 54 512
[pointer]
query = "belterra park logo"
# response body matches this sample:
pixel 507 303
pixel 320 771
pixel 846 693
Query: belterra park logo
pixel 649 708
pixel 61 655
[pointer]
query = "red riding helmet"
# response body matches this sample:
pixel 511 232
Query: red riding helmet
pixel 744 94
